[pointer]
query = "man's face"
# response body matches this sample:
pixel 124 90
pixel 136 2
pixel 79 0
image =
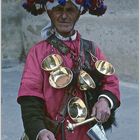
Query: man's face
pixel 64 18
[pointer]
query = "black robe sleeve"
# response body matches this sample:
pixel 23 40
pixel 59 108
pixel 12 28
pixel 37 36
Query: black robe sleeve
pixel 32 110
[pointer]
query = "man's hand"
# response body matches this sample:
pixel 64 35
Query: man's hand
pixel 101 110
pixel 46 135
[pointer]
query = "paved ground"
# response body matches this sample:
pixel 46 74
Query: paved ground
pixel 127 114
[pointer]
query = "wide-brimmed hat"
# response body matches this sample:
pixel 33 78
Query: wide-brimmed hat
pixel 38 7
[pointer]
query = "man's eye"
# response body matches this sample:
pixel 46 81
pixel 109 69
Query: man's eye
pixel 58 8
pixel 70 10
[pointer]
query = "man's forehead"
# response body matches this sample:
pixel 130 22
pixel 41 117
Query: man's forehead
pixel 69 3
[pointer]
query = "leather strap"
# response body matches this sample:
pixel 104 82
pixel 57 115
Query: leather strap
pixel 63 110
pixel 64 49
pixel 58 44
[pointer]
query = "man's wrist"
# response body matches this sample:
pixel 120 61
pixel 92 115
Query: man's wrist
pixel 40 132
pixel 106 98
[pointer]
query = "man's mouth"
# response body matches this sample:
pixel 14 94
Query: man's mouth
pixel 65 23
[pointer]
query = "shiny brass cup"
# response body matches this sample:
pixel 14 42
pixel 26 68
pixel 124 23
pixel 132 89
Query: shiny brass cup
pixel 51 62
pixel 61 77
pixel 104 67
pixel 77 109
pixel 85 81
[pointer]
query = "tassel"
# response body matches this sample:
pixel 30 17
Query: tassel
pixel 99 10
pixel 62 2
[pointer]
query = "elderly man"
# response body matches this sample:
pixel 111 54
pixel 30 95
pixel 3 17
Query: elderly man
pixel 42 103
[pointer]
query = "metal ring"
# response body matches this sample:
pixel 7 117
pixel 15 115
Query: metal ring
pixel 59 118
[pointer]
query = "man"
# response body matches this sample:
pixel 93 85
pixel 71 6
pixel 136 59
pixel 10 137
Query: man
pixel 38 99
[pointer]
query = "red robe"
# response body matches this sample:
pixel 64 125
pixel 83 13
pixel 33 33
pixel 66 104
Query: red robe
pixel 35 82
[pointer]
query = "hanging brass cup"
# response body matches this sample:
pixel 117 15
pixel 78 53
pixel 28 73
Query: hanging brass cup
pixel 60 76
pixel 102 67
pixel 85 81
pixel 77 110
pixel 51 62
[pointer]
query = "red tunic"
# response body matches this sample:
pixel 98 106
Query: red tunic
pixel 35 82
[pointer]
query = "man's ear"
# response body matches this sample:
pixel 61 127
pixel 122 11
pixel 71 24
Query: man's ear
pixel 78 16
pixel 49 13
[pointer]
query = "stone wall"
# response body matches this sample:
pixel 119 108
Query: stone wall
pixel 116 32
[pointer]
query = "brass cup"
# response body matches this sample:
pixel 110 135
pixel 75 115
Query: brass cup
pixel 51 62
pixel 77 109
pixel 85 81
pixel 61 77
pixel 104 67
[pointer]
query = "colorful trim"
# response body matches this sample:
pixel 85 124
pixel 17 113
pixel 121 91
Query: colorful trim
pixel 38 7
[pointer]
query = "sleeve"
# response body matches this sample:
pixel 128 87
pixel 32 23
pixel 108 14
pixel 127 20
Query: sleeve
pixel 110 85
pixel 32 115
pixel 32 77
pixel 30 95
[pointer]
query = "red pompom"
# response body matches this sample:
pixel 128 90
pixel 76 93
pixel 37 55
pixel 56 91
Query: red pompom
pixel 95 2
pixel 30 2
pixel 79 1
pixel 50 0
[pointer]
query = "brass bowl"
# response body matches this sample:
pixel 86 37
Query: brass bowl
pixel 51 62
pixel 85 81
pixel 77 109
pixel 61 77
pixel 104 67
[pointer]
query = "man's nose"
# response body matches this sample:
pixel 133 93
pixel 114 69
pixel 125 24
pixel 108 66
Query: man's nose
pixel 64 15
